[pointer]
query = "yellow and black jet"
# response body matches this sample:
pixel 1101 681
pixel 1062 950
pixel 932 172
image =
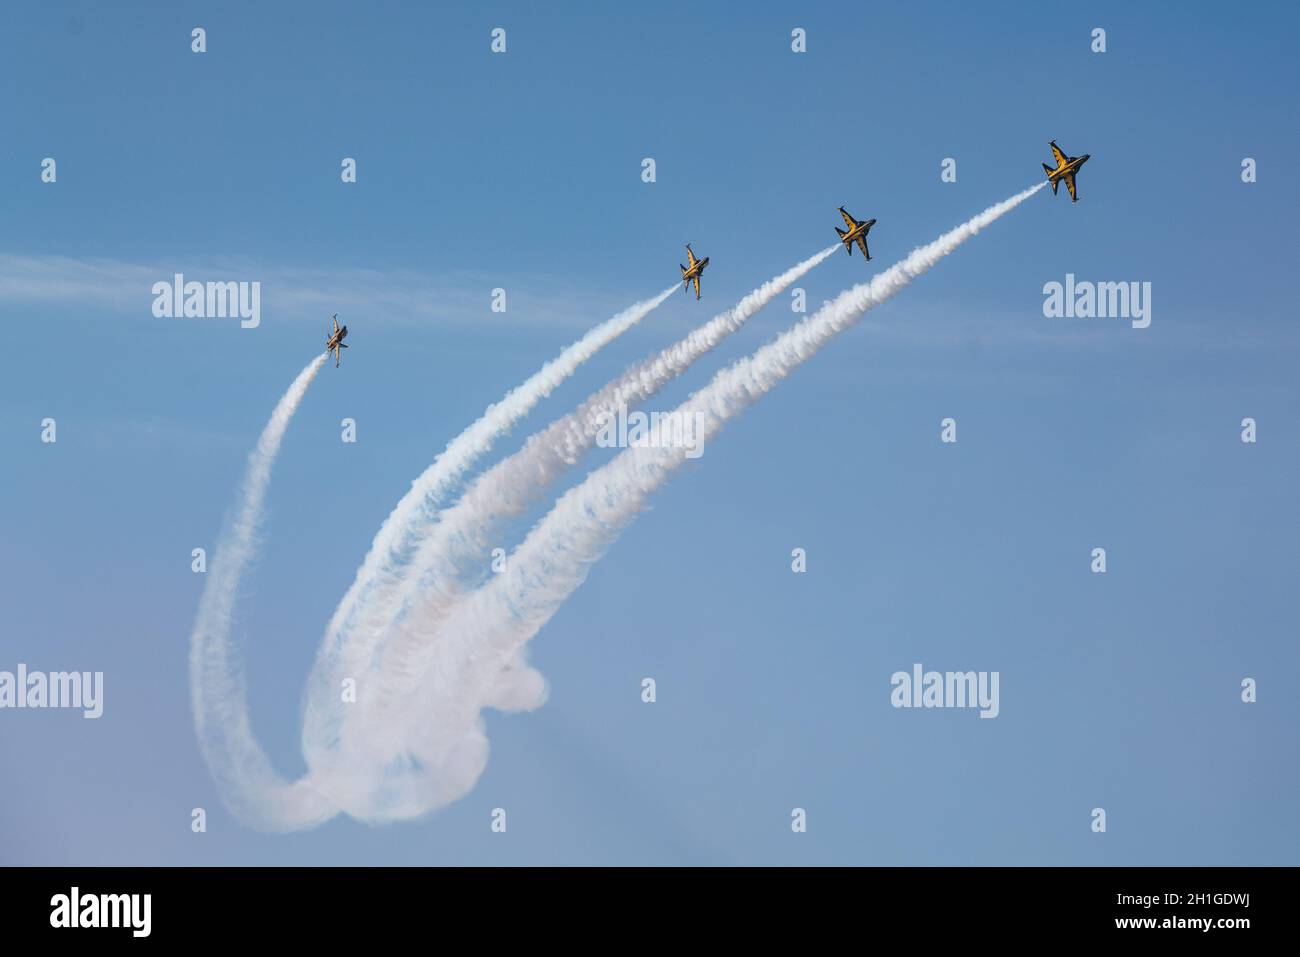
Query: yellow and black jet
pixel 335 342
pixel 1066 168
pixel 693 271
pixel 857 233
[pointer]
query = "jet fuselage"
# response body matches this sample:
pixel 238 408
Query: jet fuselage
pixel 1070 167
pixel 859 230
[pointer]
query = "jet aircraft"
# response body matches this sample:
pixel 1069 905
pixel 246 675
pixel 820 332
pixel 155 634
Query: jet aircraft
pixel 1066 168
pixel 693 271
pixel 857 233
pixel 335 342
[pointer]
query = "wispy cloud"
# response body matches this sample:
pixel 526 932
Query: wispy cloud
pixel 303 293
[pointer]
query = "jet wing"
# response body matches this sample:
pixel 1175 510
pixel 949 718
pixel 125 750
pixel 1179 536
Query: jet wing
pixel 336 325
pixel 690 257
pixel 1069 184
pixel 1061 158
pixel 862 244
pixel 849 221
pixel 697 286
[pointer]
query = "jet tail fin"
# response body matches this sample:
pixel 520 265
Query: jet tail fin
pixel 848 247
pixel 1050 178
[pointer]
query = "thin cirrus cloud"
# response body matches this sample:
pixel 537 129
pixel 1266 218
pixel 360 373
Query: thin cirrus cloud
pixel 399 296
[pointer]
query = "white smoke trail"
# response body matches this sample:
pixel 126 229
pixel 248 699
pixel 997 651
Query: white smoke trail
pixel 368 602
pixel 433 750
pixel 508 487
pixel 504 490
pixel 248 784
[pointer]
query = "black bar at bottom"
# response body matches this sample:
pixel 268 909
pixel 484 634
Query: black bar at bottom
pixel 338 905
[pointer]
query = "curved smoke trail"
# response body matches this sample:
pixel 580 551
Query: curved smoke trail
pixel 249 785
pixel 432 748
pixel 512 484
pixel 368 601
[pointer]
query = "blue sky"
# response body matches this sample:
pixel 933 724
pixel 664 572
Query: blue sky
pixel 522 171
